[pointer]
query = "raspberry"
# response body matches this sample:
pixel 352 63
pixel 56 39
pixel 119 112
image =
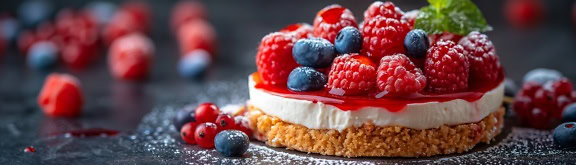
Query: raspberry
pixel 484 63
pixel 385 9
pixel 383 36
pixel 330 20
pixel 562 87
pixel 300 30
pixel 446 68
pixel 444 36
pixel 131 57
pixel 274 58
pixel 196 34
pixel 397 75
pixel 410 17
pixel 351 74
pixel 186 11
pixel 61 96
pixel 524 13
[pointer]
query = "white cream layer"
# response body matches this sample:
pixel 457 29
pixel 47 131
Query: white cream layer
pixel 417 116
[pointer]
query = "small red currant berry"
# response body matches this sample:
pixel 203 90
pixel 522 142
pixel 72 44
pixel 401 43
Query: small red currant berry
pixel 225 122
pixel 207 112
pixel 187 132
pixel 205 133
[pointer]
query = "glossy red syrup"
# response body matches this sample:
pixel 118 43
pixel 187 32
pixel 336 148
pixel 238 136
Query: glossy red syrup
pixel 92 132
pixel 392 104
pixel 29 149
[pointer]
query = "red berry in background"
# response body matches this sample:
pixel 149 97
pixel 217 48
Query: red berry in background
pixel 300 30
pixel 544 99
pixel 121 24
pixel 562 87
pixel 384 36
pixel 77 55
pixel 61 96
pixel 188 132
pixel 540 119
pixel 561 103
pixel 524 13
pixel 196 34
pixel 242 124
pixel 330 20
pixel 140 11
pixel 397 75
pixel 444 36
pixel 205 133
pixel 484 63
pixel 351 74
pixel 207 112
pixel 225 122
pixel 186 11
pixel 446 68
pixel 529 89
pixel 523 107
pixel 130 57
pixel 26 40
pixel 274 59
pixel 385 9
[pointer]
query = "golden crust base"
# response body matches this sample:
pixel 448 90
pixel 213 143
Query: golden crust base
pixel 373 141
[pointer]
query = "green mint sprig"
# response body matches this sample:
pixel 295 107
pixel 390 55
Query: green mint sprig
pixel 454 16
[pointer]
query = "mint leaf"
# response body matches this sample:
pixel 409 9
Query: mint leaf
pixel 454 16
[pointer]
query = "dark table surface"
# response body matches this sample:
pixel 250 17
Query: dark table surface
pixel 141 111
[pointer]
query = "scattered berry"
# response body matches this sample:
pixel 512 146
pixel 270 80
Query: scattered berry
pixel 207 112
pixel 446 68
pixel 416 43
pixel 542 75
pixel 562 87
pixel 188 132
pixel 300 30
pixel 34 12
pixel 77 55
pixel 348 40
pixel 383 36
pixel 43 55
pixel 140 11
pixel 274 59
pixel 352 74
pixel 183 116
pixel 194 64
pixel 569 114
pixel 232 143
pixel 121 24
pixel 185 11
pixel 410 17
pixel 540 119
pixel 314 52
pixel 330 20
pixel 565 135
pixel 243 125
pixel 397 75
pixel 61 96
pixel 484 63
pixel 131 57
pixel 524 13
pixel 196 34
pixel 205 133
pixel 384 9
pixel 30 149
pixel 306 79
pixel 225 122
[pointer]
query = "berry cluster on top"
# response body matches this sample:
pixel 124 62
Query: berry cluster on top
pixel 386 56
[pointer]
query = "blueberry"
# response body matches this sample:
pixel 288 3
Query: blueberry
pixel 314 52
pixel 10 28
pixel 510 87
pixel 43 55
pixel 34 12
pixel 306 79
pixel 565 135
pixel 569 113
pixel 542 75
pixel 231 143
pixel 184 116
pixel 416 43
pixel 194 64
pixel 348 40
pixel 103 11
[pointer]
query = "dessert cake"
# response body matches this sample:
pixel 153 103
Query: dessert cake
pixel 396 85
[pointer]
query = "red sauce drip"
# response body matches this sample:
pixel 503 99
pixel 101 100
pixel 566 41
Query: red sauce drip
pixel 91 132
pixel 29 149
pixel 392 104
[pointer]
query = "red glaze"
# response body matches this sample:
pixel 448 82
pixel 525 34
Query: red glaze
pixel 29 149
pixel 395 104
